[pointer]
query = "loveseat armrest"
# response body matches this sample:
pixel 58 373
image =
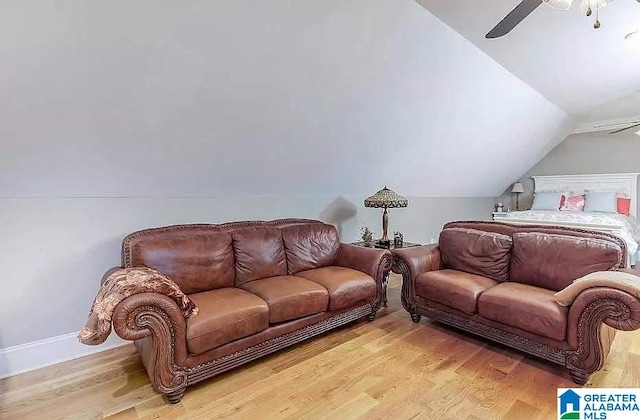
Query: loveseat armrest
pixel 624 280
pixel 372 261
pixel 610 298
pixel 411 262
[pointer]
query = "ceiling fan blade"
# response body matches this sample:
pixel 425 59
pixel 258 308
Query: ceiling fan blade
pixel 625 129
pixel 512 20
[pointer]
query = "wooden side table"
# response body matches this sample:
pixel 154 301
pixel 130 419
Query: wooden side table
pixel 385 281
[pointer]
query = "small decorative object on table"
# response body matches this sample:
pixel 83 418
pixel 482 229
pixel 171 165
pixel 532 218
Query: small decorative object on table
pixel 367 235
pixel 397 239
pixel 499 207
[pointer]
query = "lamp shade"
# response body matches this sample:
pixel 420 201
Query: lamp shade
pixel 385 198
pixel 517 187
pixel 559 4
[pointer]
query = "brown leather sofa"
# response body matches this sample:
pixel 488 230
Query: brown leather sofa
pixel 259 287
pixel 499 281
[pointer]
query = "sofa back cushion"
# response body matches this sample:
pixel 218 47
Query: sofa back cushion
pixel 197 262
pixel 310 246
pixel 476 252
pixel 553 261
pixel 259 253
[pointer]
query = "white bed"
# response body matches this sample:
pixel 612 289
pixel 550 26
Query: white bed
pixel 625 227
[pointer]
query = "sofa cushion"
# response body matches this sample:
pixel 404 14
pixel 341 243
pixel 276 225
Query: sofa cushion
pixel 225 315
pixel 553 261
pixel 453 288
pixel 310 246
pixel 289 297
pixel 259 253
pixel 345 285
pixel 529 308
pixel 194 262
pixel 476 252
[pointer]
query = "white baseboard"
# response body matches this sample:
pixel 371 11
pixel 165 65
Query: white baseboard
pixel 42 353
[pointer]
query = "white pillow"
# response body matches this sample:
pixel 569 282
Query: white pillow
pixel 619 194
pixel 546 200
pixel 601 201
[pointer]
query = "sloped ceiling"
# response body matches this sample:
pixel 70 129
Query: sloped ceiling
pixel 629 106
pixel 558 53
pixel 238 97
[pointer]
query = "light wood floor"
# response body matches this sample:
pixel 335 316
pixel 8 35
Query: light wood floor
pixel 390 368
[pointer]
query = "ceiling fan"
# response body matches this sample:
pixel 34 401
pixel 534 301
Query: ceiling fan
pixel 526 7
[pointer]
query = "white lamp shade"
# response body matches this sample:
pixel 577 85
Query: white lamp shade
pixel 517 187
pixel 593 4
pixel 559 4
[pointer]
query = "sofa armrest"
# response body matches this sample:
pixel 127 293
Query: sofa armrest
pixel 158 321
pixel 609 297
pixel 599 304
pixel 122 284
pixel 416 260
pixel 375 262
pixel 586 334
pixel 624 280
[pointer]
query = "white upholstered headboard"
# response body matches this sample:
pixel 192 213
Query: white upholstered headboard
pixel 623 183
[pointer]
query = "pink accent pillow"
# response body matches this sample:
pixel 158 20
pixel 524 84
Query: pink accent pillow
pixel 624 205
pixel 573 202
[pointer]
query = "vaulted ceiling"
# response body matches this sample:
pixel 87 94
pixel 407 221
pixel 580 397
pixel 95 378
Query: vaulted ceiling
pixel 558 53
pixel 243 97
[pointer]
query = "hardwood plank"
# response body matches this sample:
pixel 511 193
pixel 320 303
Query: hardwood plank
pixel 522 410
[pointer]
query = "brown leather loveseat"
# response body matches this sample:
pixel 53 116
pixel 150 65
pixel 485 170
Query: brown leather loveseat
pixel 515 285
pixel 258 286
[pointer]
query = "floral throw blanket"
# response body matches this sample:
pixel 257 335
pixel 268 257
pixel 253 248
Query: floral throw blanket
pixel 119 286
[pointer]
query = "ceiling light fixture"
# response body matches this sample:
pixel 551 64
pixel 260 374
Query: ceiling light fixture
pixel 559 4
pixel 588 7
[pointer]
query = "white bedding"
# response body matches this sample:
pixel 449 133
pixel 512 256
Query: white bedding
pixel 629 226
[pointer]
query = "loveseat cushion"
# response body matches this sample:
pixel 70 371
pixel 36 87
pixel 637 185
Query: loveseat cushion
pixel 259 253
pixel 553 261
pixel 477 252
pixel 453 288
pixel 226 315
pixel 529 308
pixel 195 262
pixel 310 246
pixel 345 285
pixel 289 297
